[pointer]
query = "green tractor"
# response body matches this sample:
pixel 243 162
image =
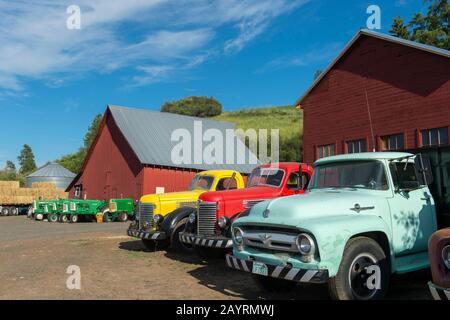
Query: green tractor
pixel 75 210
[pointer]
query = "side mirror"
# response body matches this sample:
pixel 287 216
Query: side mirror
pixel 423 169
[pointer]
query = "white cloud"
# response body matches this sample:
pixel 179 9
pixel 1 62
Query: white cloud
pixel 160 36
pixel 315 55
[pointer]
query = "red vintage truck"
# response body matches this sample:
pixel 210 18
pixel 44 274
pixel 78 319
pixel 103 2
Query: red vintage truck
pixel 208 229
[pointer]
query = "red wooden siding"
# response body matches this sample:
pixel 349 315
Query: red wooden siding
pixel 171 179
pixel 408 90
pixel 113 169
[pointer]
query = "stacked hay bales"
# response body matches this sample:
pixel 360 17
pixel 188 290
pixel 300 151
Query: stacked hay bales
pixel 12 194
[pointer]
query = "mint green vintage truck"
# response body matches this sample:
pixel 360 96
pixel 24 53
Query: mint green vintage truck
pixel 364 217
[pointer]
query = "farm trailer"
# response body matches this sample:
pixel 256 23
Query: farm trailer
pixel 75 210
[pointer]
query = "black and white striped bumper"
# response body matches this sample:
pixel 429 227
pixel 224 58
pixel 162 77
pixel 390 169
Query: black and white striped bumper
pixel 281 272
pixel 439 293
pixel 147 235
pixel 211 242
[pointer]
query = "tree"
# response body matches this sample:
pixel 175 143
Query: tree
pixel 10 167
pixel 432 28
pixel 26 160
pixel 92 131
pixel 74 161
pixel 194 106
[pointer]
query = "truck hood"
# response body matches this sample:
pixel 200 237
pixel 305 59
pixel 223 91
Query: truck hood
pixel 316 204
pixel 172 197
pixel 253 193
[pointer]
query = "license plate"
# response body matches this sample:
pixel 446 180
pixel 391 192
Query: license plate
pixel 260 268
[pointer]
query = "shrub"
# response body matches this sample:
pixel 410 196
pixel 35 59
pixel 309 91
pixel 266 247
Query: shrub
pixel 194 106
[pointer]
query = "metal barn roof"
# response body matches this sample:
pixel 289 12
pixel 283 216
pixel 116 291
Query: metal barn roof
pixel 149 135
pixel 382 36
pixel 52 170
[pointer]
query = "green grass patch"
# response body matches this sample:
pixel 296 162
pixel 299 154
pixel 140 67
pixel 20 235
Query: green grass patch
pixel 287 119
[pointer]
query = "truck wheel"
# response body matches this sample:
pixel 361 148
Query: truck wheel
pixel 353 278
pixel 73 218
pixel 63 218
pixel 123 217
pixel 14 211
pixel 5 211
pixel 38 217
pixel 107 216
pixel 51 217
pixel 177 244
pixel 270 284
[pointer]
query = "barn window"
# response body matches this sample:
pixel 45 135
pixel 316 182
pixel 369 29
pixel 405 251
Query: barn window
pixel 78 190
pixel 356 146
pixel 435 137
pixel 393 142
pixel 326 150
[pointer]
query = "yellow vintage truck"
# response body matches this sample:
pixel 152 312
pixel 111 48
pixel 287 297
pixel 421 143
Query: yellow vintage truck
pixel 161 217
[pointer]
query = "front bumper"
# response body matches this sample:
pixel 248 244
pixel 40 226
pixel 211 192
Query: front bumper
pixel 439 293
pixel 281 272
pixel 147 235
pixel 206 241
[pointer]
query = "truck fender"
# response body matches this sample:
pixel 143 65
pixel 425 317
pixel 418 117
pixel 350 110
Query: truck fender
pixel 333 233
pixel 172 219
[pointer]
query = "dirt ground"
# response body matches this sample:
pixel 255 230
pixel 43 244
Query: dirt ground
pixel 34 257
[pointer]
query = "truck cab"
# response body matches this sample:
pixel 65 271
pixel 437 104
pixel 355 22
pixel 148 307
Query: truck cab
pixel 209 227
pixel 364 217
pixel 161 216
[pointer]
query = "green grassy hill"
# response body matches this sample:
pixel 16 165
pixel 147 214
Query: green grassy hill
pixel 287 119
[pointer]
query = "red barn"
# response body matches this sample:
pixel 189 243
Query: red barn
pixel 380 93
pixel 131 155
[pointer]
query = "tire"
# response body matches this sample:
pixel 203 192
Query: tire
pixel 38 217
pixel 270 284
pixel 123 217
pixel 177 244
pixel 73 218
pixel 360 253
pixel 209 253
pixel 107 216
pixel 52 217
pixel 5 211
pixel 14 211
pixel 63 218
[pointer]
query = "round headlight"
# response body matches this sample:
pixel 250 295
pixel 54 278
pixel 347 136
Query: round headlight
pixel 238 236
pixel 446 256
pixel 223 222
pixel 192 217
pixel 305 244
pixel 158 219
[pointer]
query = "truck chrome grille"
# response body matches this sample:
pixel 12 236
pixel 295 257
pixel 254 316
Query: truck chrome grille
pixel 206 221
pixel 248 204
pixel 270 241
pixel 146 214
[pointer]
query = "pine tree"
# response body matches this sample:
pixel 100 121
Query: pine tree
pixel 26 160
pixel 432 28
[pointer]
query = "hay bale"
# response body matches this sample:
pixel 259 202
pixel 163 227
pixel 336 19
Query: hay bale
pixel 9 184
pixel 43 185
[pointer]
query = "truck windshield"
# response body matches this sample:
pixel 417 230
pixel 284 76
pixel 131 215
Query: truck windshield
pixel 201 182
pixel 354 174
pixel 265 177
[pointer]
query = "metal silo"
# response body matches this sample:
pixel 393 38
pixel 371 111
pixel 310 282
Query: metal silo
pixel 52 172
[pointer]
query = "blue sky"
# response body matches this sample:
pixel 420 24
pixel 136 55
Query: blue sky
pixel 141 53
